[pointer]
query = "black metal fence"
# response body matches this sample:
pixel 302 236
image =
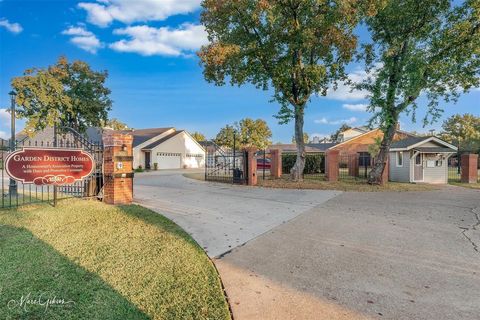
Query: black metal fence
pixel 16 193
pixel 355 166
pixel 264 164
pixel 224 164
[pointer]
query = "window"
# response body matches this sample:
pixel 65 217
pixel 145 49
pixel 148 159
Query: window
pixel 418 159
pixel 400 159
pixel 438 163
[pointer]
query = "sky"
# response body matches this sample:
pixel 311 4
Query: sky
pixel 148 47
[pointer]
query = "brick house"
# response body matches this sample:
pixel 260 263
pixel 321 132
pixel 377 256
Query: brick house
pixel 359 143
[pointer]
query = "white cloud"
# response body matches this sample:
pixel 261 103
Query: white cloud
pixel 346 92
pixel 83 39
pixel 12 27
pixel 4 123
pixel 164 41
pixel 103 12
pixel 355 107
pixel 324 120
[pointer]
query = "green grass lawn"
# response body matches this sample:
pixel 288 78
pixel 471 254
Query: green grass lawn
pixel 105 262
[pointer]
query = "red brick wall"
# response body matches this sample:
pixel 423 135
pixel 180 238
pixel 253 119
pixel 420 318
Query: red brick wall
pixel 469 168
pixel 276 163
pixel 117 189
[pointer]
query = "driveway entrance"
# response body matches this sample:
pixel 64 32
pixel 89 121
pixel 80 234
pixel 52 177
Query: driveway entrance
pixel 221 216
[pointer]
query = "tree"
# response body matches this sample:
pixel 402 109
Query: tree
pixel 248 133
pixel 115 124
pixel 296 47
pixel 306 138
pixel 226 136
pixel 462 131
pixel 198 136
pixel 254 133
pixel 65 94
pixel 429 47
pixel 336 135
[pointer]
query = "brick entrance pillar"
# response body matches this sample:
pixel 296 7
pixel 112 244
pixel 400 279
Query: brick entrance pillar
pixel 117 167
pixel 469 168
pixel 252 166
pixel 331 169
pixel 276 163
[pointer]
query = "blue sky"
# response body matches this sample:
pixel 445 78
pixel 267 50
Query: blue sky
pixel 148 48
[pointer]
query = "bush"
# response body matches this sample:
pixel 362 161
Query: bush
pixel 155 166
pixel 314 163
pixel 139 169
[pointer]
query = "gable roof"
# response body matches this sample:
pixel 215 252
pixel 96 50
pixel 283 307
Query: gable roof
pixel 162 140
pixel 417 142
pixel 142 135
pixel 368 132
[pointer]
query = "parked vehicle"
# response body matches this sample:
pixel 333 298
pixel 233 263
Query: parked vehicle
pixel 263 164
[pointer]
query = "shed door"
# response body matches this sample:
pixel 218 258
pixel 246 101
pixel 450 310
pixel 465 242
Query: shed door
pixel 169 160
pixel 418 168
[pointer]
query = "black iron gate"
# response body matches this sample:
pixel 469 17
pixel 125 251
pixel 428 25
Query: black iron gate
pixel 15 193
pixel 224 164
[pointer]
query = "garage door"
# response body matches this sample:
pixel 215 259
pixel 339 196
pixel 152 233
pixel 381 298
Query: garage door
pixel 168 160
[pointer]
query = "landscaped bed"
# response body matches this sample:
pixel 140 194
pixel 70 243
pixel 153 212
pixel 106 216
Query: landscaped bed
pixel 344 184
pixel 103 262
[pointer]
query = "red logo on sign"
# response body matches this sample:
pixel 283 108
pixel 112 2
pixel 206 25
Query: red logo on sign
pixel 49 166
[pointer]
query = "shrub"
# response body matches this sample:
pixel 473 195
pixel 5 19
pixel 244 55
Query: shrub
pixel 139 169
pixel 314 163
pixel 155 166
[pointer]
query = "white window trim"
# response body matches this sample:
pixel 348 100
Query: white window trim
pixel 397 156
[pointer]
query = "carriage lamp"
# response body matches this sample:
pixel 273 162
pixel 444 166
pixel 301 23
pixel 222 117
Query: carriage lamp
pixel 12 188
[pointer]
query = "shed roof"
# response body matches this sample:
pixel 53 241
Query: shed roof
pixel 417 142
pixel 410 141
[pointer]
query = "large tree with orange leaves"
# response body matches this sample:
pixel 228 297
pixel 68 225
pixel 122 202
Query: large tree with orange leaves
pixel 296 47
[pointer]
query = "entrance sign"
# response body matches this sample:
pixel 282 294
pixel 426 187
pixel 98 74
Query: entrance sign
pixel 49 166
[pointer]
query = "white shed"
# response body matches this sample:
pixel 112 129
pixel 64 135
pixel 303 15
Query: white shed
pixel 420 159
pixel 166 148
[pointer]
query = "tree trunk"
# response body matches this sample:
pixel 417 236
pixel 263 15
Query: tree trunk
pixel 297 170
pixel 375 175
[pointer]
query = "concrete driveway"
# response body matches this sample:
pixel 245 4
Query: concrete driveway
pixel 364 256
pixel 328 255
pixel 221 216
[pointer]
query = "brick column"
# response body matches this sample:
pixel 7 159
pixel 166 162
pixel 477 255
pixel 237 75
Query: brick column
pixel 117 167
pixel 331 170
pixel 386 172
pixel 252 166
pixel 353 161
pixel 469 168
pixel 276 163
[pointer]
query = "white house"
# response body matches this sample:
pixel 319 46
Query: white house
pixel 166 148
pixel 420 159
